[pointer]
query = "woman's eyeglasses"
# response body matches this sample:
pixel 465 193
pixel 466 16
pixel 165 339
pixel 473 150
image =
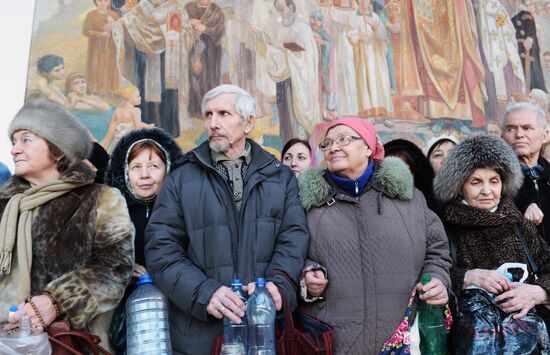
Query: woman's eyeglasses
pixel 340 142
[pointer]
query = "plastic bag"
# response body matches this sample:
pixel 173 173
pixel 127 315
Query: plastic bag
pixel 483 327
pixel 14 343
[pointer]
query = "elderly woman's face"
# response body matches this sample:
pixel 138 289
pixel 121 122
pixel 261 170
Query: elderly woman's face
pixel 146 173
pixel 482 189
pixel 298 158
pixel 32 159
pixel 349 160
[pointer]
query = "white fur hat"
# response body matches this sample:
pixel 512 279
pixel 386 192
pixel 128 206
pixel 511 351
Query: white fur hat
pixel 55 124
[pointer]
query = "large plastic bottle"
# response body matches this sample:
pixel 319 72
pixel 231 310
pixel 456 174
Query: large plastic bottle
pixel 433 335
pixel 234 333
pixel 260 312
pixel 147 328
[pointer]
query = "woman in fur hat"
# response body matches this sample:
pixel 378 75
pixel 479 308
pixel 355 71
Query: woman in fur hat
pixel 372 238
pixel 66 248
pixel 477 183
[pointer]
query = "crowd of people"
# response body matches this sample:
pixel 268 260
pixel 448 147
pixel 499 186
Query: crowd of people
pixel 347 243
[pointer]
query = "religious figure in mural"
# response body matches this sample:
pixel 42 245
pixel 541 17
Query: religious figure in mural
pixel 76 87
pixel 528 47
pixel 205 57
pixel 327 91
pixel 101 68
pixel 125 118
pixel 50 68
pixel 443 77
pixel 367 35
pixel 145 61
pixel 504 74
pixel 295 68
pixel 414 68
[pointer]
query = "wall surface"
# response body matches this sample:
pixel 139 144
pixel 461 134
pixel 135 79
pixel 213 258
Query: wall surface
pixel 16 20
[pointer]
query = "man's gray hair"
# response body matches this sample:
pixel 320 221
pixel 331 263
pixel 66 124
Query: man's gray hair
pixel 524 105
pixel 245 106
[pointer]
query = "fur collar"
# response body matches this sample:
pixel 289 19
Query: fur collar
pixel 392 177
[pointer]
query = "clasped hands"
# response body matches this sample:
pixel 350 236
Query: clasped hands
pixel 225 303
pixel 512 296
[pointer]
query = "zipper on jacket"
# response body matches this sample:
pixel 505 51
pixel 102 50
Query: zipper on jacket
pixel 147 211
pixel 356 187
pixel 536 185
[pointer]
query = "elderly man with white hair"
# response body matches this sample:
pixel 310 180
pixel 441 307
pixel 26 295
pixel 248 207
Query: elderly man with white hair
pixel 524 129
pixel 229 210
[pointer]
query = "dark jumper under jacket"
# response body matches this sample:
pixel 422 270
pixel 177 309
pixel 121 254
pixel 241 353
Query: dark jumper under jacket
pixel 537 191
pixel 195 226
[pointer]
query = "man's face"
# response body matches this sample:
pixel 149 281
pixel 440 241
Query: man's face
pixel 224 125
pixel 523 132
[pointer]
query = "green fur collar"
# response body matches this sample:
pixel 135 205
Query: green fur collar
pixel 392 177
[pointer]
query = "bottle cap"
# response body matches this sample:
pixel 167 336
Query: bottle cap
pixel 236 282
pixel 509 276
pixel 260 282
pixel 425 279
pixel 144 279
pixel 13 309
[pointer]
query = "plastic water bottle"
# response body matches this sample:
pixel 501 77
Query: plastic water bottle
pixel 147 320
pixel 234 333
pixel 433 335
pixel 260 312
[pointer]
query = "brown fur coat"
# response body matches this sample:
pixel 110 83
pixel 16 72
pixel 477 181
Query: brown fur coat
pixel 82 249
pixel 486 240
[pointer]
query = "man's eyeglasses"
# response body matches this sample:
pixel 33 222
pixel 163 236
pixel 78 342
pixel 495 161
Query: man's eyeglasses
pixel 340 142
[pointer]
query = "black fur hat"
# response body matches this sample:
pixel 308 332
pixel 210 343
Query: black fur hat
pixel 478 152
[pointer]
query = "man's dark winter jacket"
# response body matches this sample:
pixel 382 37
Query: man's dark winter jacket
pixel 537 191
pixel 195 226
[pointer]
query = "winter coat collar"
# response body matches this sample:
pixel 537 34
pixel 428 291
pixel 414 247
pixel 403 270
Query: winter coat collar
pixel 261 160
pixel 457 213
pixel 391 177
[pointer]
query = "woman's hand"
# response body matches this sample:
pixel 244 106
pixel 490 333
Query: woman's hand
pixel 521 297
pixel 433 293
pixel 139 270
pixel 45 308
pixel 488 280
pixel 316 282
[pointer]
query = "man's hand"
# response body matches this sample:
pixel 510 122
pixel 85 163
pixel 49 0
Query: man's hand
pixel 273 291
pixel 534 214
pixel 225 303
pixel 521 297
pixel 434 292
pixel 316 282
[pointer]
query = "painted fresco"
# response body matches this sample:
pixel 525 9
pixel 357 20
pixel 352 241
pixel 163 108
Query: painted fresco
pixel 415 68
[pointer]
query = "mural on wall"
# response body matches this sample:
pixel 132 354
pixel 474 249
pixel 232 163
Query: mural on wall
pixel 415 68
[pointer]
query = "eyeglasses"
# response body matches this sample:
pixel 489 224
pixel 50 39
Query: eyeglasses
pixel 340 142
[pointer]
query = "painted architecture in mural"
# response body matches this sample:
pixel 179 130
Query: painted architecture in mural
pixel 415 68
